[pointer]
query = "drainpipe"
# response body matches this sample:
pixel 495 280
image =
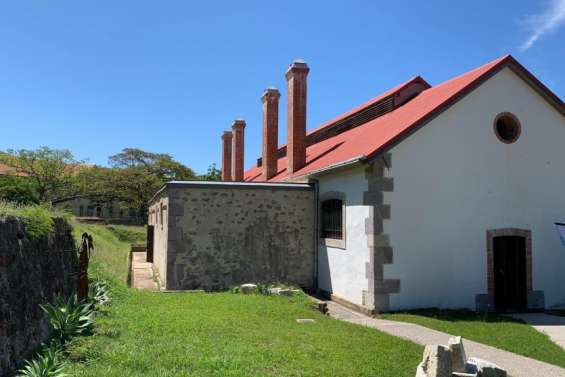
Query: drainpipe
pixel 315 183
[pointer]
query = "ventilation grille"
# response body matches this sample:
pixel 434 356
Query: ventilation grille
pixel 374 111
pixel 371 112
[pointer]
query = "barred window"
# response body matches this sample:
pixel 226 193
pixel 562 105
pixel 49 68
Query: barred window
pixel 332 219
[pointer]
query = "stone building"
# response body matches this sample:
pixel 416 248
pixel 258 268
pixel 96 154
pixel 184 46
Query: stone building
pixel 440 195
pixel 91 209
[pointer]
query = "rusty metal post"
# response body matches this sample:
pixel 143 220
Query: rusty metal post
pixel 84 256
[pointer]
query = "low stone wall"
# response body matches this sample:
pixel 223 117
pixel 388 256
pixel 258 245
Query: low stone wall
pixel 215 236
pixel 31 273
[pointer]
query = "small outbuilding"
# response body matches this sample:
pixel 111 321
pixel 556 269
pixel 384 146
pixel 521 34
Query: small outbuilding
pixel 215 235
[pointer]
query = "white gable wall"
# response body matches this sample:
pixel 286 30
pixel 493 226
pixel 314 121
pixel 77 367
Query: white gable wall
pixel 343 271
pixel 454 180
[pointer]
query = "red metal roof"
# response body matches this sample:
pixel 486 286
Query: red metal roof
pixel 377 135
pixel 8 170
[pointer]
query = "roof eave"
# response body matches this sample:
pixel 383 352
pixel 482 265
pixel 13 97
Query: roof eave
pixel 330 168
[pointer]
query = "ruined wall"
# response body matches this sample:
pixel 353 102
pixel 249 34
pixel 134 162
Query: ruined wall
pixel 31 273
pixel 226 234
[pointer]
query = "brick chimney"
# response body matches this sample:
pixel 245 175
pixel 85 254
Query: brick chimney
pixel 237 150
pixel 226 155
pixel 270 99
pixel 296 114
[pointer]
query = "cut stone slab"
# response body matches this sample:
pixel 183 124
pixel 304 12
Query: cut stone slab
pixel 436 362
pixel 305 320
pixel 275 291
pixel 458 356
pixel 248 288
pixel 142 275
pixel 484 368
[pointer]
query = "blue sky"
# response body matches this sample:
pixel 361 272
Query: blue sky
pixel 170 76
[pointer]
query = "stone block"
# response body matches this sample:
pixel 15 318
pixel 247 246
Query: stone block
pixel 275 291
pixel 248 288
pixel 381 184
pixel 484 303
pixel 372 197
pixel 381 302
pixel 436 362
pixel 387 286
pixel 536 300
pixel 383 254
pixel 484 368
pixel 458 356
pixel 305 320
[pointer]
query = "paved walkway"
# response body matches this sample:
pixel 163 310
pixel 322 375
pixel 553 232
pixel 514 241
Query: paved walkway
pixel 552 325
pixel 142 272
pixel 516 365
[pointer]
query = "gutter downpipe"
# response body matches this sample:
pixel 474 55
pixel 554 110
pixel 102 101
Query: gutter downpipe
pixel 315 183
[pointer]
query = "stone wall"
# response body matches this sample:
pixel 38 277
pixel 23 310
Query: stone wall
pixel 224 234
pixel 31 273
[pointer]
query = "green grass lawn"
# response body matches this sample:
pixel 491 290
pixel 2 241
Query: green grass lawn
pixel 223 334
pixel 495 330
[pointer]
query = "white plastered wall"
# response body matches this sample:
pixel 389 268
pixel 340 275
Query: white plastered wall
pixel 453 180
pixel 342 271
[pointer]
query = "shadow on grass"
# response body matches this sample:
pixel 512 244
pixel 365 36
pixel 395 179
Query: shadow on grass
pixel 460 315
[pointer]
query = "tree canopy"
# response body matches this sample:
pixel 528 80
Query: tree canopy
pixel 160 165
pixel 49 169
pixel 131 179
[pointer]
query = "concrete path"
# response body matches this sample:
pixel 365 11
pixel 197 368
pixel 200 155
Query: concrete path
pixel 516 365
pixel 551 325
pixel 142 272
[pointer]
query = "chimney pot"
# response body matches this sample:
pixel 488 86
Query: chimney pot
pixel 238 127
pixel 270 100
pixel 296 77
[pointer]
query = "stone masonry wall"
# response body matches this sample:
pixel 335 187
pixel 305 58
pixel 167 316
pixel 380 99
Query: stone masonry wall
pixel 222 236
pixel 31 273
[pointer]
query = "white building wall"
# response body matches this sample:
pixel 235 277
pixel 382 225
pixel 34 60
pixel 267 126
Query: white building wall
pixel 453 180
pixel 342 271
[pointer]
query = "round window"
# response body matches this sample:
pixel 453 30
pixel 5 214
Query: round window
pixel 507 127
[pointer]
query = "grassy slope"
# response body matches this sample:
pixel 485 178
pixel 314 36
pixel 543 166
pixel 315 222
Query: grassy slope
pixel 111 247
pixel 495 330
pixel 224 334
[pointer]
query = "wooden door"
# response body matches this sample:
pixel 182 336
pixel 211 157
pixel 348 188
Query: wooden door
pixel 510 290
pixel 150 242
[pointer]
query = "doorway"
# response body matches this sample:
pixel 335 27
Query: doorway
pixel 510 273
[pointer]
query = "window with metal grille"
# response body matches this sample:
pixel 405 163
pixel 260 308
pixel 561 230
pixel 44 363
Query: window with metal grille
pixel 332 219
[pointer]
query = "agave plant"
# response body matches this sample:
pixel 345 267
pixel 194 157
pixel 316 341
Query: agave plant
pixel 69 317
pixel 48 363
pixel 98 292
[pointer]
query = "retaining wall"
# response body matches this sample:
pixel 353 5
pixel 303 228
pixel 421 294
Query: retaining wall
pixel 31 273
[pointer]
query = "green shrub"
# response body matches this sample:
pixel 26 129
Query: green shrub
pixel 48 363
pixel 37 219
pixel 20 190
pixel 98 292
pixel 69 318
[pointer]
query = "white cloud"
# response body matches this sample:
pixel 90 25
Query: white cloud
pixel 550 20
